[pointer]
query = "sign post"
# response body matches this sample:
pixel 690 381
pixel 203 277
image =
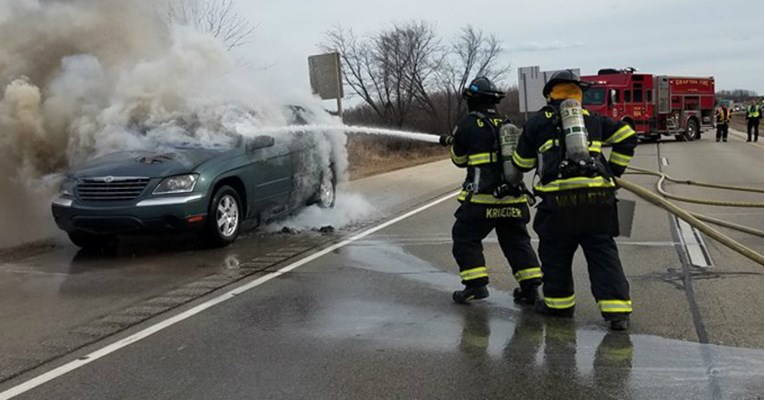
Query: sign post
pixel 326 78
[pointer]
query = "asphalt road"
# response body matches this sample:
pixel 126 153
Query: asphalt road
pixel 370 316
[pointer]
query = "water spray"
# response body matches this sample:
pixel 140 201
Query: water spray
pixel 273 130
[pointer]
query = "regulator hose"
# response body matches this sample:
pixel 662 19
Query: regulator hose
pixel 689 218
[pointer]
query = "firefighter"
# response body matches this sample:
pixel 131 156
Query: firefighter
pixel 753 115
pixel 722 115
pixel 483 208
pixel 578 201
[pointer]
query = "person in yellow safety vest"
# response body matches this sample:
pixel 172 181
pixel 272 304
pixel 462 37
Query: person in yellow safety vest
pixel 475 147
pixel 753 115
pixel 722 115
pixel 578 205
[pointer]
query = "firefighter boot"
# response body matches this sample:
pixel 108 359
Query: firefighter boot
pixel 527 294
pixel 618 322
pixel 542 308
pixel 470 293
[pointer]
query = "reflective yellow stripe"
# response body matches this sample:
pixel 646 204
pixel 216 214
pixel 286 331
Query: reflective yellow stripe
pixel 481 158
pixel 615 306
pixel 619 159
pixel 459 160
pixel 621 134
pixel 529 273
pixel 480 198
pixel 524 162
pixel 575 183
pixel 475 273
pixel 595 146
pixel 547 145
pixel 585 111
pixel 560 302
pixel 480 123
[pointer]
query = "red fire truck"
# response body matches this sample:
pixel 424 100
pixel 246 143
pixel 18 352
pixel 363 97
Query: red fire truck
pixel 654 105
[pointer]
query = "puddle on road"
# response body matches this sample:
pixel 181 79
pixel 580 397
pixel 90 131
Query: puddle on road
pixel 402 309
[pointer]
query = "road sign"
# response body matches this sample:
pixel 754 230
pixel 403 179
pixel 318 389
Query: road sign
pixel 326 77
pixel 531 81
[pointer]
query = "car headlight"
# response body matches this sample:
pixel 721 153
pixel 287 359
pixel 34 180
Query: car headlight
pixel 67 187
pixel 177 184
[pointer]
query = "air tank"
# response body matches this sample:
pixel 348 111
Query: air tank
pixel 574 131
pixel 508 141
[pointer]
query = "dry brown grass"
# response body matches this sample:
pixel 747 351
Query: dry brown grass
pixel 371 155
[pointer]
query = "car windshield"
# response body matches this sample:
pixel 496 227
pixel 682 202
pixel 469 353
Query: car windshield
pixel 202 139
pixel 594 96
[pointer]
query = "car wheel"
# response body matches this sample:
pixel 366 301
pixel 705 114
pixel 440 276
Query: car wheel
pixel 88 241
pixel 224 218
pixel 325 198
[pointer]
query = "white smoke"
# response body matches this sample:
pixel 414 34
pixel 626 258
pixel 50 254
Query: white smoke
pixel 349 208
pixel 81 79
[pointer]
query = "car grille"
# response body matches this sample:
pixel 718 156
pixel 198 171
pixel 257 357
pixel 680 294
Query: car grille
pixel 111 188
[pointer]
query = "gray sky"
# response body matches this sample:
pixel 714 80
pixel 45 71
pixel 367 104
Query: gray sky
pixel 716 38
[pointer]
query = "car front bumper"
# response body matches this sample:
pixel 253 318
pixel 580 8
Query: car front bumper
pixel 157 214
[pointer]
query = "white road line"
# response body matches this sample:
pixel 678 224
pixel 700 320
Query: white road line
pixel 694 245
pixel 743 136
pixel 104 351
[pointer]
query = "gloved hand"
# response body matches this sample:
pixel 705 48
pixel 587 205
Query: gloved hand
pixel 446 140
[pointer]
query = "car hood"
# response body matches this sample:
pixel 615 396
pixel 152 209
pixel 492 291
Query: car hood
pixel 145 163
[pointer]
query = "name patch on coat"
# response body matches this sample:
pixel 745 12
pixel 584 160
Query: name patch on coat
pixel 504 212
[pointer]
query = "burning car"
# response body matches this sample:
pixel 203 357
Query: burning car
pixel 216 191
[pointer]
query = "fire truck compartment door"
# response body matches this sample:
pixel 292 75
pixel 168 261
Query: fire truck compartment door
pixel 662 94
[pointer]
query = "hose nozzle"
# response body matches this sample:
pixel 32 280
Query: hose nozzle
pixel 445 140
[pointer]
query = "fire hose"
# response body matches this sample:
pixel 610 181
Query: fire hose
pixel 663 177
pixel 694 219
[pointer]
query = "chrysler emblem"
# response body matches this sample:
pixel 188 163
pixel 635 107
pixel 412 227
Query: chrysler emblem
pixel 108 179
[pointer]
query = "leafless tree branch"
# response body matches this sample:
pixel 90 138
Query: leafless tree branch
pixel 216 17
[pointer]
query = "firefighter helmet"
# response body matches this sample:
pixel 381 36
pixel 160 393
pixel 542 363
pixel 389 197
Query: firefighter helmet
pixel 565 76
pixel 482 88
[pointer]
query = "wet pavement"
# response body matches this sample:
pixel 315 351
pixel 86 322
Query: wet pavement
pixel 374 319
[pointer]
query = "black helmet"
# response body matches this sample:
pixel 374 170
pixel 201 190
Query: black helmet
pixel 565 76
pixel 482 88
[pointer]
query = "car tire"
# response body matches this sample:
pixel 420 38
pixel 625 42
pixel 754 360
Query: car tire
pixel 224 218
pixel 91 242
pixel 327 192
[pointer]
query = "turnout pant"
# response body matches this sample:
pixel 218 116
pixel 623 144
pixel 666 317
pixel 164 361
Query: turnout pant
pixel 722 132
pixel 561 231
pixel 475 222
pixel 752 124
pixel 608 284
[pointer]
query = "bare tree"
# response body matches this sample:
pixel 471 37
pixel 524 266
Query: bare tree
pixel 472 53
pixel 216 17
pixel 390 70
pixel 737 95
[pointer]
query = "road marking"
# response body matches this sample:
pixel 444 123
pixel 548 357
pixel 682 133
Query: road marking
pixel 664 161
pixel 694 245
pixel 104 351
pixel 743 136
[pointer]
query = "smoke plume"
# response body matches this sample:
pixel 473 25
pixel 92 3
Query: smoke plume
pixel 83 78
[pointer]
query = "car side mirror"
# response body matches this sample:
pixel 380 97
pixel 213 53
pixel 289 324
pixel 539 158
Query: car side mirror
pixel 611 96
pixel 259 142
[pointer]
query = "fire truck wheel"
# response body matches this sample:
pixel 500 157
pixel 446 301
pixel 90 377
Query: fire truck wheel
pixel 692 131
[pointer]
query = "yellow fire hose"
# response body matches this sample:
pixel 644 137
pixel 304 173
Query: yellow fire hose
pixel 695 220
pixel 663 177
